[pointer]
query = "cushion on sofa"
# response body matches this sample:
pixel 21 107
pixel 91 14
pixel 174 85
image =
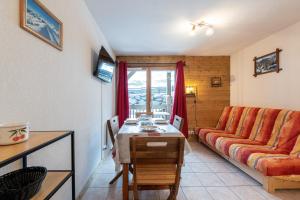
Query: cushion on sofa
pixel 259 134
pixel 220 125
pixel 243 130
pixel 283 138
pixel 223 118
pixel 274 164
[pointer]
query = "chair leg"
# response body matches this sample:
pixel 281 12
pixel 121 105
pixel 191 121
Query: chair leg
pixel 135 192
pixel 116 177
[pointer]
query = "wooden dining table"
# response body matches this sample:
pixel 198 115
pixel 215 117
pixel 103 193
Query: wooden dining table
pixel 123 149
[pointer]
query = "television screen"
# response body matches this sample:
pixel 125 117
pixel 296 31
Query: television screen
pixel 105 71
pixel 105 66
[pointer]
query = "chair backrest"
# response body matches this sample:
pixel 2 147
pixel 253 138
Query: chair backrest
pixel 113 128
pixel 138 114
pixel 156 150
pixel 178 122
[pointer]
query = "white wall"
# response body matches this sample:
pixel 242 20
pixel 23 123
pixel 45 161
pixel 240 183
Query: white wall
pixel 55 90
pixel 268 90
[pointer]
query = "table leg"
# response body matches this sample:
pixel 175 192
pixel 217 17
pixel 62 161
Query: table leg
pixel 125 181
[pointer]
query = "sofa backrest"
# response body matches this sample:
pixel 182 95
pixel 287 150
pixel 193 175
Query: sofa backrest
pixel 233 119
pixel 246 122
pixel 286 131
pixel 263 125
pixel 296 149
pixel 223 118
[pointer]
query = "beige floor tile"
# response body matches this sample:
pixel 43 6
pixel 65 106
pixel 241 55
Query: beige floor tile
pixel 106 168
pixel 102 180
pixel 221 193
pixel 189 179
pixel 192 158
pixel 196 193
pixel 247 193
pixel 236 179
pixel 186 168
pixel 209 179
pixel 95 194
pixel 269 196
pixel 221 167
pixel 199 167
pixel 164 194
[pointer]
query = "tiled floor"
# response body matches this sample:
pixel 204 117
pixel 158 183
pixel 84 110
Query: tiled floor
pixel 205 176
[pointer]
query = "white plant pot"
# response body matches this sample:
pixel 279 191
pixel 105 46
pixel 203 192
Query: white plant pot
pixel 13 133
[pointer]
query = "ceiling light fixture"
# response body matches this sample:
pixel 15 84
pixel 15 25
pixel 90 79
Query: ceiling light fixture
pixel 197 26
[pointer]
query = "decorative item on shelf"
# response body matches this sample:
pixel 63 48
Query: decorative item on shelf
pixel 216 81
pixel 22 184
pixel 190 91
pixel 267 63
pixel 13 133
pixel 39 21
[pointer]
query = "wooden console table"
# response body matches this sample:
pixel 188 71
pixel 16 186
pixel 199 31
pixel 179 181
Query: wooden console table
pixel 55 179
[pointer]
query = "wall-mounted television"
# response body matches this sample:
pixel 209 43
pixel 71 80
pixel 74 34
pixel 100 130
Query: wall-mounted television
pixel 104 69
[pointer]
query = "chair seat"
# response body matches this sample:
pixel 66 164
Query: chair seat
pixel 158 174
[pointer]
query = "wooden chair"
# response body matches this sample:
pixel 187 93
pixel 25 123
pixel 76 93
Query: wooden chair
pixel 138 114
pixel 157 163
pixel 178 122
pixel 113 129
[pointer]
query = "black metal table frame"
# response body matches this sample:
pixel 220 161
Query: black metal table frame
pixel 24 155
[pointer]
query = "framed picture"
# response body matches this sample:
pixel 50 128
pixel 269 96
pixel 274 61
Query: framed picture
pixel 39 21
pixel 267 63
pixel 216 82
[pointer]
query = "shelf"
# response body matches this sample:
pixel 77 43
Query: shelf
pixel 37 140
pixel 52 182
pixel 55 179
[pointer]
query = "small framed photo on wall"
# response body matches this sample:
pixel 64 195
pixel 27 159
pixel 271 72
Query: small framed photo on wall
pixel 40 22
pixel 267 63
pixel 216 81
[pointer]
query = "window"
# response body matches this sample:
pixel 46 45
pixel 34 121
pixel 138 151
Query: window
pixel 151 90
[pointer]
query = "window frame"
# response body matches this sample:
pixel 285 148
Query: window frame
pixel 148 70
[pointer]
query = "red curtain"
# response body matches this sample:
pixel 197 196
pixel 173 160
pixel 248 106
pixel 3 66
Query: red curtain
pixel 122 93
pixel 179 106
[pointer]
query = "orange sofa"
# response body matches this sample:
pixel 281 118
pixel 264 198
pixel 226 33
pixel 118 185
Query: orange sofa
pixel 263 142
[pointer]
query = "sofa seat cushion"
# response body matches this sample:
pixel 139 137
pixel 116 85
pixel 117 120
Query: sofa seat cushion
pixel 242 152
pixel 212 137
pixel 274 164
pixel 223 143
pixel 204 131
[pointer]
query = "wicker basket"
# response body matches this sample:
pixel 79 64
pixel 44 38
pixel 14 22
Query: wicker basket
pixel 22 184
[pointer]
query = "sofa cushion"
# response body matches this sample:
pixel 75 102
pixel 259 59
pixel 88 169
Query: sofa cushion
pixel 260 132
pixel 233 119
pixel 274 164
pixel 204 131
pixel 220 125
pixel 284 135
pixel 243 130
pixel 223 118
pixel 263 125
pixel 223 143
